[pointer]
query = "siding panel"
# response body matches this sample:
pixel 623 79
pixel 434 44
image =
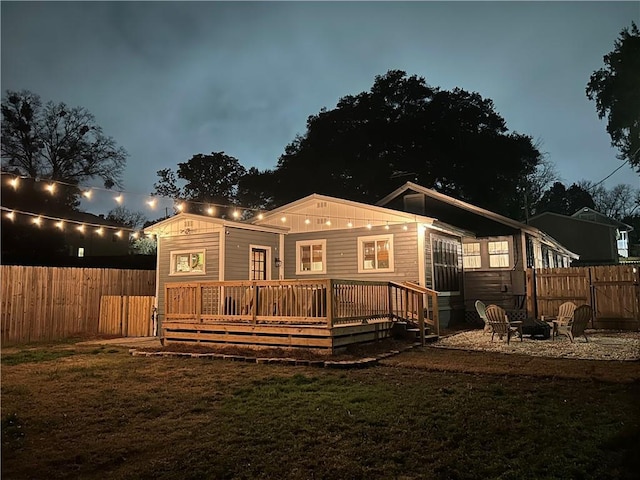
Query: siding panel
pixel 237 241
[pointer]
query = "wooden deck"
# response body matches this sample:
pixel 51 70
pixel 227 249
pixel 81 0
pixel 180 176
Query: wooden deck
pixel 322 314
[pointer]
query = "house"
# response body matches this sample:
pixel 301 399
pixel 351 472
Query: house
pixel 597 238
pixel 493 260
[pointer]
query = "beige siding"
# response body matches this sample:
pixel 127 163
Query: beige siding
pixel 209 242
pixel 342 253
pixel 237 242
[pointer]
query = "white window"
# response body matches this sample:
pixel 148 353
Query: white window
pixel 187 262
pixel 498 254
pixel 81 251
pixel 375 254
pixel 471 257
pixel 311 257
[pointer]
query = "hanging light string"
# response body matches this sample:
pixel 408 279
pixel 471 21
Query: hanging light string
pixel 181 205
pixel 152 199
pixel 10 213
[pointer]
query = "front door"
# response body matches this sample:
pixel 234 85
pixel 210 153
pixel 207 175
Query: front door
pixel 258 264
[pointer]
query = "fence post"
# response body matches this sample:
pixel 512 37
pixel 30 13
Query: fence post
pixel 420 297
pixel 532 304
pixel 329 300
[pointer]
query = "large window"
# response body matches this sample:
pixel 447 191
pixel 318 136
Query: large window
pixel 498 254
pixel 447 265
pixel 375 254
pixel 311 257
pixel 187 263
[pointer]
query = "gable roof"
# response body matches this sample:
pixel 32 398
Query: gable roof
pixel 479 217
pixel 603 219
pixel 333 208
pixel 164 226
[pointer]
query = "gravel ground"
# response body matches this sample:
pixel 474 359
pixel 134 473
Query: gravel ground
pixel 602 345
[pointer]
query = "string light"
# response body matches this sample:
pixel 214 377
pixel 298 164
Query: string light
pixel 80 228
pixel 349 224
pixel 87 194
pixel 37 221
pixel 51 188
pixel 236 214
pixel 119 199
pixel 210 210
pixel 152 202
pixel 14 183
pixel 307 221
pixel 180 207
pixel 283 219
pixel 11 215
pixel 60 225
pixel 100 231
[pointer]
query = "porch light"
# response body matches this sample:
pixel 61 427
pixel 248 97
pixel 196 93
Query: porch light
pixel 278 262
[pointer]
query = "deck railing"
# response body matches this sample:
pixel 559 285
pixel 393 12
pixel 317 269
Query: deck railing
pixel 323 302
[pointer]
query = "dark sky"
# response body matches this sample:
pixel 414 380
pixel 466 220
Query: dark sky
pixel 168 80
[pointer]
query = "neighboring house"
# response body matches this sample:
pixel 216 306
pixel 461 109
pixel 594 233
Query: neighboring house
pixel 598 239
pixel 493 259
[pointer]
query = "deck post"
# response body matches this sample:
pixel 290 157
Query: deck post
pixel 198 305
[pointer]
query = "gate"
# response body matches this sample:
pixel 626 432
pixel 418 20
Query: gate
pixel 613 291
pixel 127 316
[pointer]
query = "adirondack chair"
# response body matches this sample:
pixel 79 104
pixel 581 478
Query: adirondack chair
pixel 577 323
pixel 481 309
pixel 500 324
pixel 564 315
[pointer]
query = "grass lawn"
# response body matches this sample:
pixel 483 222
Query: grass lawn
pixel 78 412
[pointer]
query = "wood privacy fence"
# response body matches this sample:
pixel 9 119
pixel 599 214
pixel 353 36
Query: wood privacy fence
pixel 613 291
pixel 126 316
pixel 50 303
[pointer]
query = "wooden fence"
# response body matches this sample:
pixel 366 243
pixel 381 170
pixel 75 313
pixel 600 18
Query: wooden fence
pixel 613 291
pixel 50 303
pixel 126 316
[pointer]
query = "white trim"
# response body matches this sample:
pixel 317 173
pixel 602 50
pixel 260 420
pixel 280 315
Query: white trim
pixel 375 238
pixel 281 256
pixel 222 247
pixel 421 233
pixel 267 273
pixel 174 253
pixel 303 243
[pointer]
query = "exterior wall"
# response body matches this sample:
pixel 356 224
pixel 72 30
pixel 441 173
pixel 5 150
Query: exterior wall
pixel 209 242
pixel 342 253
pixel 237 255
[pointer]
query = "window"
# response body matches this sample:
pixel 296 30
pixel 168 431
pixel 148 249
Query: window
pixel 311 257
pixel 187 263
pixel 447 268
pixel 471 255
pixel 375 254
pixel 81 251
pixel 498 254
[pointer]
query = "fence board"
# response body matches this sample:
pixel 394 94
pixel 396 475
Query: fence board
pixel 613 291
pixel 50 303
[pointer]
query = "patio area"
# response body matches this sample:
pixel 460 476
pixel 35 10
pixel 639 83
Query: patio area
pixel 602 345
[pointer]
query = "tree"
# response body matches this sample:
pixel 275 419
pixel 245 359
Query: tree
pixel 616 91
pixel 403 129
pixel 619 202
pixel 127 218
pixel 562 200
pixel 57 142
pixel 209 179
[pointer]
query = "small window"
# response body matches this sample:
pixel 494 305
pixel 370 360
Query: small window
pixel 375 254
pixel 81 251
pixel 187 263
pixel 471 255
pixel 499 254
pixel 311 257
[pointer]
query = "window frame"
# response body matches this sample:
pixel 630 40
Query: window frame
pixel 478 256
pixel 375 238
pixel 173 258
pixel 306 243
pixel 491 255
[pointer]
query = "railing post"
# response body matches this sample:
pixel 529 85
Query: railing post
pixel 254 307
pixel 198 301
pixel 436 313
pixel 390 296
pixel 329 300
pixel 421 316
